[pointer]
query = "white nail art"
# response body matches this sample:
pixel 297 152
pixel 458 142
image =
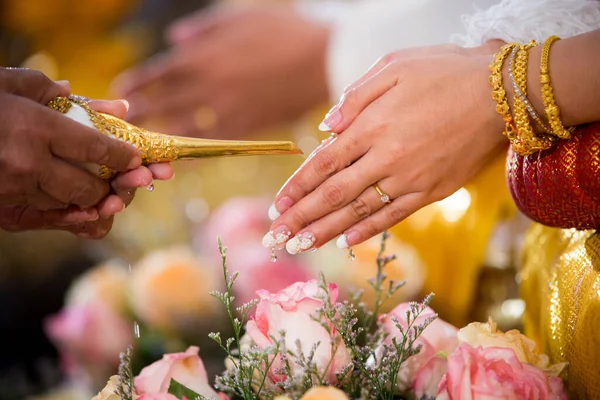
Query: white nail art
pixel 273 213
pixel 276 239
pixel 300 243
pixel 323 127
pixel 341 242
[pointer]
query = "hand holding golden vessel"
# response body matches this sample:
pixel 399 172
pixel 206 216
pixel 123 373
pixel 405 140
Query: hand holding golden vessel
pixel 160 148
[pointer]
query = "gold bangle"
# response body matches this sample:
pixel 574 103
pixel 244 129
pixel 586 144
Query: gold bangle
pixel 550 107
pixel 498 92
pixel 527 141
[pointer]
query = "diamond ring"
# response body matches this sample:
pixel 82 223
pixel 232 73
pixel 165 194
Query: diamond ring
pixel 384 197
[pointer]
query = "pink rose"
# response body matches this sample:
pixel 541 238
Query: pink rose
pixel 186 368
pixel 290 310
pixel 159 396
pixel 495 373
pixel 427 379
pixel 258 272
pixel 439 336
pixel 90 336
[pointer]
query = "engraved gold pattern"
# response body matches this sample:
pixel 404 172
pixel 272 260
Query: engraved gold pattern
pixel 498 92
pixel 560 282
pixel 550 106
pixel 158 148
pixel 526 142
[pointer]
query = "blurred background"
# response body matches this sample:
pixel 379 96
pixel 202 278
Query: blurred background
pixel 252 69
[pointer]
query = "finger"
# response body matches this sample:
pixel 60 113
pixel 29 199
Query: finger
pixel 73 141
pixel 354 101
pixel 336 155
pixel 167 100
pixel 25 218
pixel 200 23
pixel 117 108
pixel 43 202
pixel 162 171
pixel 388 216
pixel 160 67
pixel 70 184
pixel 113 204
pixel 335 223
pixel 32 84
pixel 334 194
pixel 92 230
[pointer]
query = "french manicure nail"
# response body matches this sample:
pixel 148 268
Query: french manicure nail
pixel 347 240
pixel 341 242
pixel 331 120
pixel 300 243
pixel 281 206
pixel 64 83
pixel 126 103
pixel 276 238
pixel 323 127
pixel 273 213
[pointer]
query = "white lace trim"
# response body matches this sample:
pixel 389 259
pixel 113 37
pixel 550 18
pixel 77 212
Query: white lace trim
pixel 523 20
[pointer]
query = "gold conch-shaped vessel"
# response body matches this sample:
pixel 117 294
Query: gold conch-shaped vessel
pixel 159 148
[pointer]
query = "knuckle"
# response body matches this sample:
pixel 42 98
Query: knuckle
pixel 325 163
pixel 360 209
pixel 396 212
pixel 85 195
pixel 97 149
pixel 10 218
pixel 333 194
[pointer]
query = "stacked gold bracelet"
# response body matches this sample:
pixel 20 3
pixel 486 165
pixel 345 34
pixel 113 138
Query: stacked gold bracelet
pixel 499 94
pixel 518 126
pixel 550 107
pixel 527 141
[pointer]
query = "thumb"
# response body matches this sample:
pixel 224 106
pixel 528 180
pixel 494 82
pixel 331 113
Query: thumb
pixel 197 24
pixel 32 84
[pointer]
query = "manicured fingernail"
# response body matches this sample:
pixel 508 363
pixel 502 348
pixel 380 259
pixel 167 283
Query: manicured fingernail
pixel 273 213
pixel 125 103
pixel 65 84
pixel 323 127
pixel 348 239
pixel 331 120
pixel 300 243
pixel 341 242
pixel 276 238
pixel 135 162
pixel 281 206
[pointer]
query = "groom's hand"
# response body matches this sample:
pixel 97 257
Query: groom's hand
pixel 43 185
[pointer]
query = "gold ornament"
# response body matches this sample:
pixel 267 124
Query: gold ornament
pixel 160 148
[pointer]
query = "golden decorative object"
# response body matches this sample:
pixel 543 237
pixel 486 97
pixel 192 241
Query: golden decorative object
pixel 159 148
pixel 560 282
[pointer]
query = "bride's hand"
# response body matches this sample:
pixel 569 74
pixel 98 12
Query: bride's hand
pixel 420 128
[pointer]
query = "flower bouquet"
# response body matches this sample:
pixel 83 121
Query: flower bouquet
pixel 302 343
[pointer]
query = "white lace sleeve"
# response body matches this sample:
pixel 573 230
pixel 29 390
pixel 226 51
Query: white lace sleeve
pixel 523 20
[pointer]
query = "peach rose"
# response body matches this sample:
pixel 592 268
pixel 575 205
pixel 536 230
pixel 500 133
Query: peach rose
pixel 109 391
pixel 106 282
pixel 439 336
pixel 290 310
pixel 495 373
pixel 170 291
pixel 488 335
pixel 186 368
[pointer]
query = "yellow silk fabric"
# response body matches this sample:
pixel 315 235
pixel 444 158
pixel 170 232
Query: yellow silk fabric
pixel 561 286
pixel 453 249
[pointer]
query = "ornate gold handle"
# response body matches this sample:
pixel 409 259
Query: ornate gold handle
pixel 157 147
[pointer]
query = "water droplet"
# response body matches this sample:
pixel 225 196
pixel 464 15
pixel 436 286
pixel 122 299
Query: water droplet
pixel 273 255
pixel 313 250
pixel 351 255
pixel 136 329
pixel 150 188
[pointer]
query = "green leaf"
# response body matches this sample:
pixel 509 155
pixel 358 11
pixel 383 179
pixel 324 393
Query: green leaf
pixel 180 391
